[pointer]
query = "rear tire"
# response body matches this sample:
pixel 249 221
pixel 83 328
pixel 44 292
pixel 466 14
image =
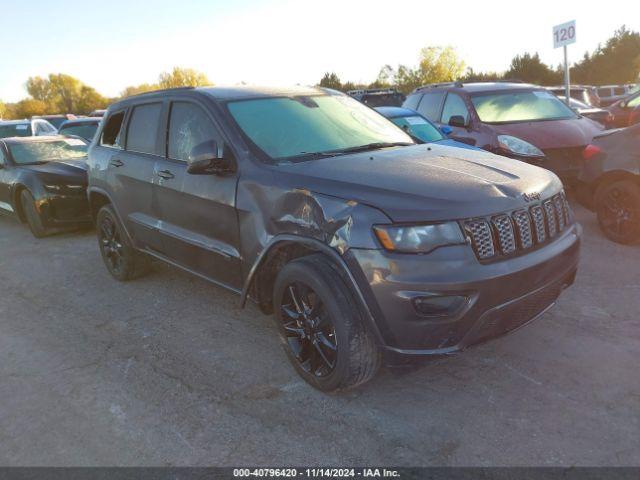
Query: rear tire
pixel 122 260
pixel 31 214
pixel 617 205
pixel 322 327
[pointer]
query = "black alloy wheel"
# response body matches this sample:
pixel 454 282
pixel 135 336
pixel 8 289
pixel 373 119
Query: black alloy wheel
pixel 122 260
pixel 111 245
pixel 322 325
pixel 618 210
pixel 310 332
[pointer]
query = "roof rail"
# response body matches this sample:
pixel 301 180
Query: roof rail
pixel 457 84
pixel 161 90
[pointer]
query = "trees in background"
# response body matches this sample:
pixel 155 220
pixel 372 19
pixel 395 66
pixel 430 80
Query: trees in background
pixel 618 61
pixel 61 93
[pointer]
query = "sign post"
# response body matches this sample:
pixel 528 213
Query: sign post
pixel 563 35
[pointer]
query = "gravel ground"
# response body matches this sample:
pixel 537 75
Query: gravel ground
pixel 168 370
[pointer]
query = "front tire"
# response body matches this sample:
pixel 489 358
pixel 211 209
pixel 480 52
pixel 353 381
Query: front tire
pixel 321 326
pixel 122 261
pixel 618 208
pixel 31 214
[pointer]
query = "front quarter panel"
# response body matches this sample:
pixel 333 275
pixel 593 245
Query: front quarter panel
pixel 275 204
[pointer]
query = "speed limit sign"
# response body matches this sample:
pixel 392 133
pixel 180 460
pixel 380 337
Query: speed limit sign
pixel 564 34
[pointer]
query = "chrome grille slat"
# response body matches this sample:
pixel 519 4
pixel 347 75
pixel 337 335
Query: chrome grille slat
pixel 504 230
pixel 523 227
pixel 557 203
pixel 538 221
pixel 481 237
pixel 514 232
pixel 550 214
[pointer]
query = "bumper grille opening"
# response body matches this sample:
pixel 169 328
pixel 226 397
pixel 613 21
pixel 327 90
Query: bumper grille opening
pixel 512 233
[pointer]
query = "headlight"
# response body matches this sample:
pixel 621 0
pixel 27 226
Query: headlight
pixel 419 238
pixel 518 146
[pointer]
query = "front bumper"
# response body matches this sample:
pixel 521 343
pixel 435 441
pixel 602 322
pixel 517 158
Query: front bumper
pixel 64 210
pixel 500 297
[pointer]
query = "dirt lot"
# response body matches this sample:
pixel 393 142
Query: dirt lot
pixel 168 370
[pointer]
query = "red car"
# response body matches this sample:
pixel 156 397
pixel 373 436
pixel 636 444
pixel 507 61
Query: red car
pixel 626 112
pixel 516 120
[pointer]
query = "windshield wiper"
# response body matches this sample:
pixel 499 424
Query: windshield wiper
pixel 367 147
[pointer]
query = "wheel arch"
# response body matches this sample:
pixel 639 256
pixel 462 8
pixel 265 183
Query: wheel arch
pixel 285 248
pixel 614 176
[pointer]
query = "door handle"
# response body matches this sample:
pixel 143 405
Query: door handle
pixel 166 174
pixel 116 163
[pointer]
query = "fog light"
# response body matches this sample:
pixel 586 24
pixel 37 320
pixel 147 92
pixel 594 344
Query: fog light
pixel 437 306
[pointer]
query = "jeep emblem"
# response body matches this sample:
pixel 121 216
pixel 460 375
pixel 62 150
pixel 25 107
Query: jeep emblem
pixel 530 197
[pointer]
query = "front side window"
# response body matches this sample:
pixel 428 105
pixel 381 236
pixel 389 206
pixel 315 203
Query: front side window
pixel 604 92
pixel 112 132
pixel 15 130
pixel 429 106
pixel 189 126
pixel 142 135
pixel 454 106
pixel 305 126
pixel 419 128
pixel 520 106
pixel 412 101
pixel 42 152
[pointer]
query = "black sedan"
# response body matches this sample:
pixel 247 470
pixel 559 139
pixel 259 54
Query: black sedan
pixel 43 182
pixel 610 182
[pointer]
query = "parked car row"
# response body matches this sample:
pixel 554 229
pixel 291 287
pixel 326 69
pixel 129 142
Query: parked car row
pixel 372 236
pixel 368 245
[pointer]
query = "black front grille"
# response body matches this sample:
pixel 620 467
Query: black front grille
pixel 513 233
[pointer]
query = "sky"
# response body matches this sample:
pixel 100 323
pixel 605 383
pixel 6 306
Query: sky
pixel 113 44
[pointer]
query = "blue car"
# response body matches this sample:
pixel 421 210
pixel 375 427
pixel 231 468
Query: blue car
pixel 419 127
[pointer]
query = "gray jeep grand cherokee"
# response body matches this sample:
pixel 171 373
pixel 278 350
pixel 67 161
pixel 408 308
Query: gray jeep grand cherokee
pixel 367 247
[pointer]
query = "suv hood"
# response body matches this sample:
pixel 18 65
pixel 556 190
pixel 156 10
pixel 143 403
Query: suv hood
pixel 425 183
pixel 576 132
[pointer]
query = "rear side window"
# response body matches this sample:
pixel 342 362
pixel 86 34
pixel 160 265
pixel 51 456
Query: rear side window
pixel 604 92
pixel 188 126
pixel 143 128
pixel 429 106
pixel 111 134
pixel 412 101
pixel 454 106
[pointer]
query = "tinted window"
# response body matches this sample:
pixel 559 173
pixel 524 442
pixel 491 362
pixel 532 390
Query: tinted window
pixel 111 134
pixel 454 106
pixel 418 127
pixel 412 101
pixel 86 131
pixel 143 128
pixel 56 122
pixel 604 92
pixel 429 106
pixel 188 126
pixel 15 130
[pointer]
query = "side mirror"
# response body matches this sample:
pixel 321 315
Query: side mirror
pixel 457 121
pixel 207 158
pixel 446 130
